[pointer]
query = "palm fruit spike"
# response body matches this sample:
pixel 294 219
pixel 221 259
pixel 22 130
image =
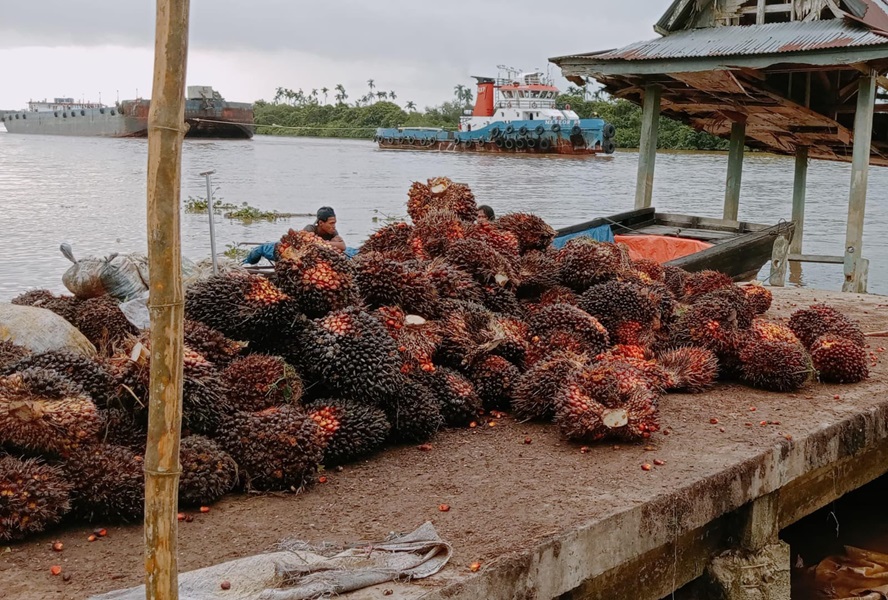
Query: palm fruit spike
pixel 43 412
pixel 502 300
pixel 634 371
pixel 452 283
pixel 433 234
pixel 457 399
pixel 212 344
pixel 413 413
pixel 541 348
pixel 535 393
pixel 559 295
pixel 532 232
pixel 90 375
pixel 775 365
pixel 820 319
pixel 441 193
pixel 351 352
pixel 278 448
pixel 109 482
pixel 33 496
pixel 392 240
pixel 765 330
pixel 385 282
pixel 11 353
pixel 618 302
pixel 317 276
pixel 460 330
pixel 103 323
pixel 675 279
pixel 703 282
pixel 120 427
pixel 651 268
pixel 732 297
pixel 564 317
pixel 759 298
pixel 500 240
pixel 839 360
pixel 64 306
pixel 482 262
pixel 208 472
pixel 709 325
pixel 259 381
pixel 538 272
pixel 417 338
pixel 495 379
pixel 506 337
pixel 585 262
pixel 691 369
pixel 350 429
pixel 600 403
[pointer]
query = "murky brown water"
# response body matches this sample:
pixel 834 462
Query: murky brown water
pixel 90 192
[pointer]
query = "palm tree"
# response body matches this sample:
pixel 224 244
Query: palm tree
pixel 278 94
pixel 468 96
pixel 314 96
pixel 458 92
pixel 372 85
pixel 324 91
pixel 341 96
pixel 411 105
pixel 382 95
pixel 392 95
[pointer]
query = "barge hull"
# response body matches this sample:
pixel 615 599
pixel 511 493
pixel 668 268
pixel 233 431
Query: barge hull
pixel 562 147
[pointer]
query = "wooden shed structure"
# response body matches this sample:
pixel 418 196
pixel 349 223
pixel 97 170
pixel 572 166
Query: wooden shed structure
pixel 793 77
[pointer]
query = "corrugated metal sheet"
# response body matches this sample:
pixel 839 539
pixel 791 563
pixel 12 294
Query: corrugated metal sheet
pixel 773 38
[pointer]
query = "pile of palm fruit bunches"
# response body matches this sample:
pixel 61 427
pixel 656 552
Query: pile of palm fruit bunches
pixel 431 325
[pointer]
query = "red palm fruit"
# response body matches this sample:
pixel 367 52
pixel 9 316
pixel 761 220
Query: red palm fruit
pixel 839 360
pixel 393 240
pixel 617 302
pixel 103 323
pixel 651 268
pixel 709 325
pixel 443 194
pixel 208 472
pixel 258 381
pixel 586 262
pixel 495 379
pixel 636 371
pixel 559 295
pixel 766 330
pixel 703 282
pixel 538 272
pixel 460 329
pixel 502 300
pixel 457 398
pixel 564 317
pixel 820 319
pixel 507 337
pixel 482 262
pixel 759 298
pixel 675 279
pixel 544 347
pixel 88 373
pixel 532 232
pixel 690 369
pixel 212 344
pixel 535 393
pixel 433 234
pixel 33 496
pixel 504 242
pixel 451 282
pixel 732 297
pixel 385 282
pixel 351 430
pixel 776 365
pixel 631 351
pixel 413 412
pixel 418 339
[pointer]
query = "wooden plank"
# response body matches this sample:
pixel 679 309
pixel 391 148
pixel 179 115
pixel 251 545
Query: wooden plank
pixel 799 189
pixel 707 235
pixel 760 12
pixel 769 9
pixel 816 258
pixel 631 220
pixel 708 223
pixel 735 171
pixel 647 152
pixel 863 132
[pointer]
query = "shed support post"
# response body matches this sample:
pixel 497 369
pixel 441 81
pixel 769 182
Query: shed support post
pixel 735 171
pixel 799 189
pixel 855 267
pixel 647 147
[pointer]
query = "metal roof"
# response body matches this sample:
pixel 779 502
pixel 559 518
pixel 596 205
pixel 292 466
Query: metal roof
pixel 771 38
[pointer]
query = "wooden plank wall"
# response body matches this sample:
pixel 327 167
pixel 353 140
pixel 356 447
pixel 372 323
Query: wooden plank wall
pixel 720 13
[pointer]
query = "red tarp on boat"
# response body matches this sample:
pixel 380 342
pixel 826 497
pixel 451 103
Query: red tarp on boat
pixel 660 248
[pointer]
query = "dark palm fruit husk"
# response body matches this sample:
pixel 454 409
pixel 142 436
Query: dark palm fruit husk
pixel 651 268
pixel 442 194
pixel 33 496
pixel 600 402
pixel 691 369
pixel 561 340
pixel 351 352
pixel 64 306
pixel 839 360
pixel 89 374
pixel 11 353
pixel 703 282
pixel 120 427
pixel 502 300
pixel 386 282
pixel 495 379
pixel 43 412
pixel 732 297
pixel 675 279
pixel 103 323
pixel 392 239
pixel 616 302
pixel 433 234
pixel 535 393
pixel 208 472
pixel 709 325
pixel 564 317
pixel 559 295
pixel 278 448
pixel 452 283
pixel 482 262
pixel 776 365
pixel 538 272
pixel 457 399
pixel 633 371
pixel 507 337
pixel 352 430
pixel 418 339
pixel 585 262
pixel 532 232
pixel 205 403
pixel 504 242
pixel 212 344
pixel 759 298
pixel 259 381
pixel 460 329
pixel 109 483
pixel 820 319
pixel 413 413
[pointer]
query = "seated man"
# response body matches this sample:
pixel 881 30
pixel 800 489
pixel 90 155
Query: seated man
pixel 325 228
pixel 485 213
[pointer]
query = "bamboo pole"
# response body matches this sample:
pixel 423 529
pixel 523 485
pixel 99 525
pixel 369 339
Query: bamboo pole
pixel 166 126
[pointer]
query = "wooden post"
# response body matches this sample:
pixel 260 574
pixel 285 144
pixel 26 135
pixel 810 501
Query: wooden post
pixel 799 189
pixel 166 127
pixel 735 171
pixel 855 276
pixel 760 12
pixel 647 147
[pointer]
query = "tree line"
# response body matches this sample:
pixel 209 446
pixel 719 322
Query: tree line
pixel 327 112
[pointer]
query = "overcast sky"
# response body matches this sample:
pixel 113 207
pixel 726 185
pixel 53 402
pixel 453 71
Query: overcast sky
pixel 418 48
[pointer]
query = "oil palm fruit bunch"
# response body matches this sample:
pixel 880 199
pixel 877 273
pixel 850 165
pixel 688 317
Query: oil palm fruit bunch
pixel 559 294
pixel 33 496
pixel 433 234
pixel 317 276
pixel 703 282
pixel 495 379
pixel 417 338
pixel 709 325
pixel 103 323
pixel 392 240
pixel 675 279
pixel 585 262
pixel 278 448
pixel 242 306
pixel 120 427
pixel 600 402
pixel 11 353
pixel 351 353
pixel 631 371
pixel 839 360
pixel 820 319
pixel 64 306
pixel 759 297
pixel 443 194
pixel 649 269
pixel 460 329
pixel 503 300
pixel 208 472
pixel 503 241
pixel 766 330
pixel 451 282
pixel 482 262
pixel 507 337
pixel 41 411
pixel 458 402
pixel 731 297
pixel 89 374
pixel 532 232
pixel 108 482
pixel 776 365
pixel 386 282
pixel 350 430
pixel 212 344
pixel 627 310
pixel 566 318
pixel 413 412
pixel 690 369
pixel 259 381
pixel 535 393
pixel 538 272
pixel 541 348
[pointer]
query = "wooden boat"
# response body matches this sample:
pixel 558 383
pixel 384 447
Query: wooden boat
pixel 738 248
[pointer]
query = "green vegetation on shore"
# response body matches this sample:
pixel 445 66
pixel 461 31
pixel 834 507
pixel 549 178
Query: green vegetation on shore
pixel 296 113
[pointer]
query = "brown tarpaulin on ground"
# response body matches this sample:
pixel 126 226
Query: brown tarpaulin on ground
pixel 660 248
pixel 857 574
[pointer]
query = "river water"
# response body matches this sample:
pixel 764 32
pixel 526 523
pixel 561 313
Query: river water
pixel 90 192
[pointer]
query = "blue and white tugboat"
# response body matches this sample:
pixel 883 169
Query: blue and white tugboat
pixel 513 115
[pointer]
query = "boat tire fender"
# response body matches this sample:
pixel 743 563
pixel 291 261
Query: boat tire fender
pixel 112 112
pixel 494 133
pixel 609 146
pixel 540 129
pixel 556 127
pixel 520 144
pixel 545 144
pixel 523 130
pixel 608 131
pixel 509 143
pixel 510 129
pixel 499 142
pixel 531 142
pixel 410 140
pixel 576 130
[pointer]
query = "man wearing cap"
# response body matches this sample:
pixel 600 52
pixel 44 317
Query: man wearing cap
pixel 325 228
